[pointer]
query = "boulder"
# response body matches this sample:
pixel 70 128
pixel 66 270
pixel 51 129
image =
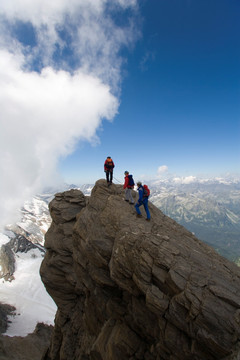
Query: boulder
pixel 7 262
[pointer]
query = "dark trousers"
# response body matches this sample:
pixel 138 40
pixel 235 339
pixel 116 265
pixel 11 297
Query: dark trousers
pixel 109 176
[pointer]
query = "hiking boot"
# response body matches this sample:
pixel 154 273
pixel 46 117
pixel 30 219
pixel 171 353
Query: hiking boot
pixel 131 203
pixel 139 215
pixel 148 219
pixel 127 200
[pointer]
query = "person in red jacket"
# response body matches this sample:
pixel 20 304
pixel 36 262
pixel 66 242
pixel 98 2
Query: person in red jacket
pixel 128 186
pixel 108 168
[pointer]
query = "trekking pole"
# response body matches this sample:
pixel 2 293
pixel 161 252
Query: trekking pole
pixel 117 180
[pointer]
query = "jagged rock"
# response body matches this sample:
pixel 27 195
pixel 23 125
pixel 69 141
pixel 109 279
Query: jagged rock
pixel 30 347
pixel 21 244
pixel 7 262
pixel 130 289
pixel 5 311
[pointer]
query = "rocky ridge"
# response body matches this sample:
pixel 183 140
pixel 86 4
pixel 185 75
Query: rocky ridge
pixel 129 289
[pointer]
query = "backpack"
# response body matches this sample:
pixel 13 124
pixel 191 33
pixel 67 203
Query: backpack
pixel 146 191
pixel 131 181
pixel 109 164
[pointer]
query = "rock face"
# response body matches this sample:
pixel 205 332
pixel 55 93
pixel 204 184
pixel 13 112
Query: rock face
pixel 131 289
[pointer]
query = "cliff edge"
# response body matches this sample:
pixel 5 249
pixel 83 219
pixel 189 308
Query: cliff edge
pixel 131 289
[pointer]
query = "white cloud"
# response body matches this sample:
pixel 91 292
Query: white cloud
pixel 185 180
pixel 162 170
pixel 45 113
pixel 47 12
pixel 51 12
pixel 92 36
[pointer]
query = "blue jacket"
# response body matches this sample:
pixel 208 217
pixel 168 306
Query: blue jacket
pixel 140 192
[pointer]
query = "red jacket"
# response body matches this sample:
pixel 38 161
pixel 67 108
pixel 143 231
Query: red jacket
pixel 108 165
pixel 126 183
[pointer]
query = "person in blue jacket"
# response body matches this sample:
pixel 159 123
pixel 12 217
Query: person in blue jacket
pixel 142 200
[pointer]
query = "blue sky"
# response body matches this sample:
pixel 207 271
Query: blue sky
pixel 154 84
pixel 179 102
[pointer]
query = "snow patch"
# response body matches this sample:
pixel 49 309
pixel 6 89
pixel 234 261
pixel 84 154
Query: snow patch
pixel 28 295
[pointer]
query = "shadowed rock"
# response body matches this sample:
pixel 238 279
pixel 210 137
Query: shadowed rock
pixel 7 262
pixel 30 347
pixel 130 289
pixel 5 311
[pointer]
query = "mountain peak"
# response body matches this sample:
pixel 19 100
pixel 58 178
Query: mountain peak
pixel 130 289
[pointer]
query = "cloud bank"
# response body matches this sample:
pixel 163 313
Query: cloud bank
pixel 60 73
pixel 163 169
pixel 185 180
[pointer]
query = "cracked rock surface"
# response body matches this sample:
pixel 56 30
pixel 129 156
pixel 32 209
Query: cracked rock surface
pixel 131 289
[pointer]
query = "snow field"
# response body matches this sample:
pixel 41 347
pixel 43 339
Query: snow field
pixel 28 295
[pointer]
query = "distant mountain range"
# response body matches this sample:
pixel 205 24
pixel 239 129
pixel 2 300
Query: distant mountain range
pixel 209 208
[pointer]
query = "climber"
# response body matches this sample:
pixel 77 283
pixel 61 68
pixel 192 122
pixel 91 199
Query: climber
pixel 108 168
pixel 143 200
pixel 128 186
